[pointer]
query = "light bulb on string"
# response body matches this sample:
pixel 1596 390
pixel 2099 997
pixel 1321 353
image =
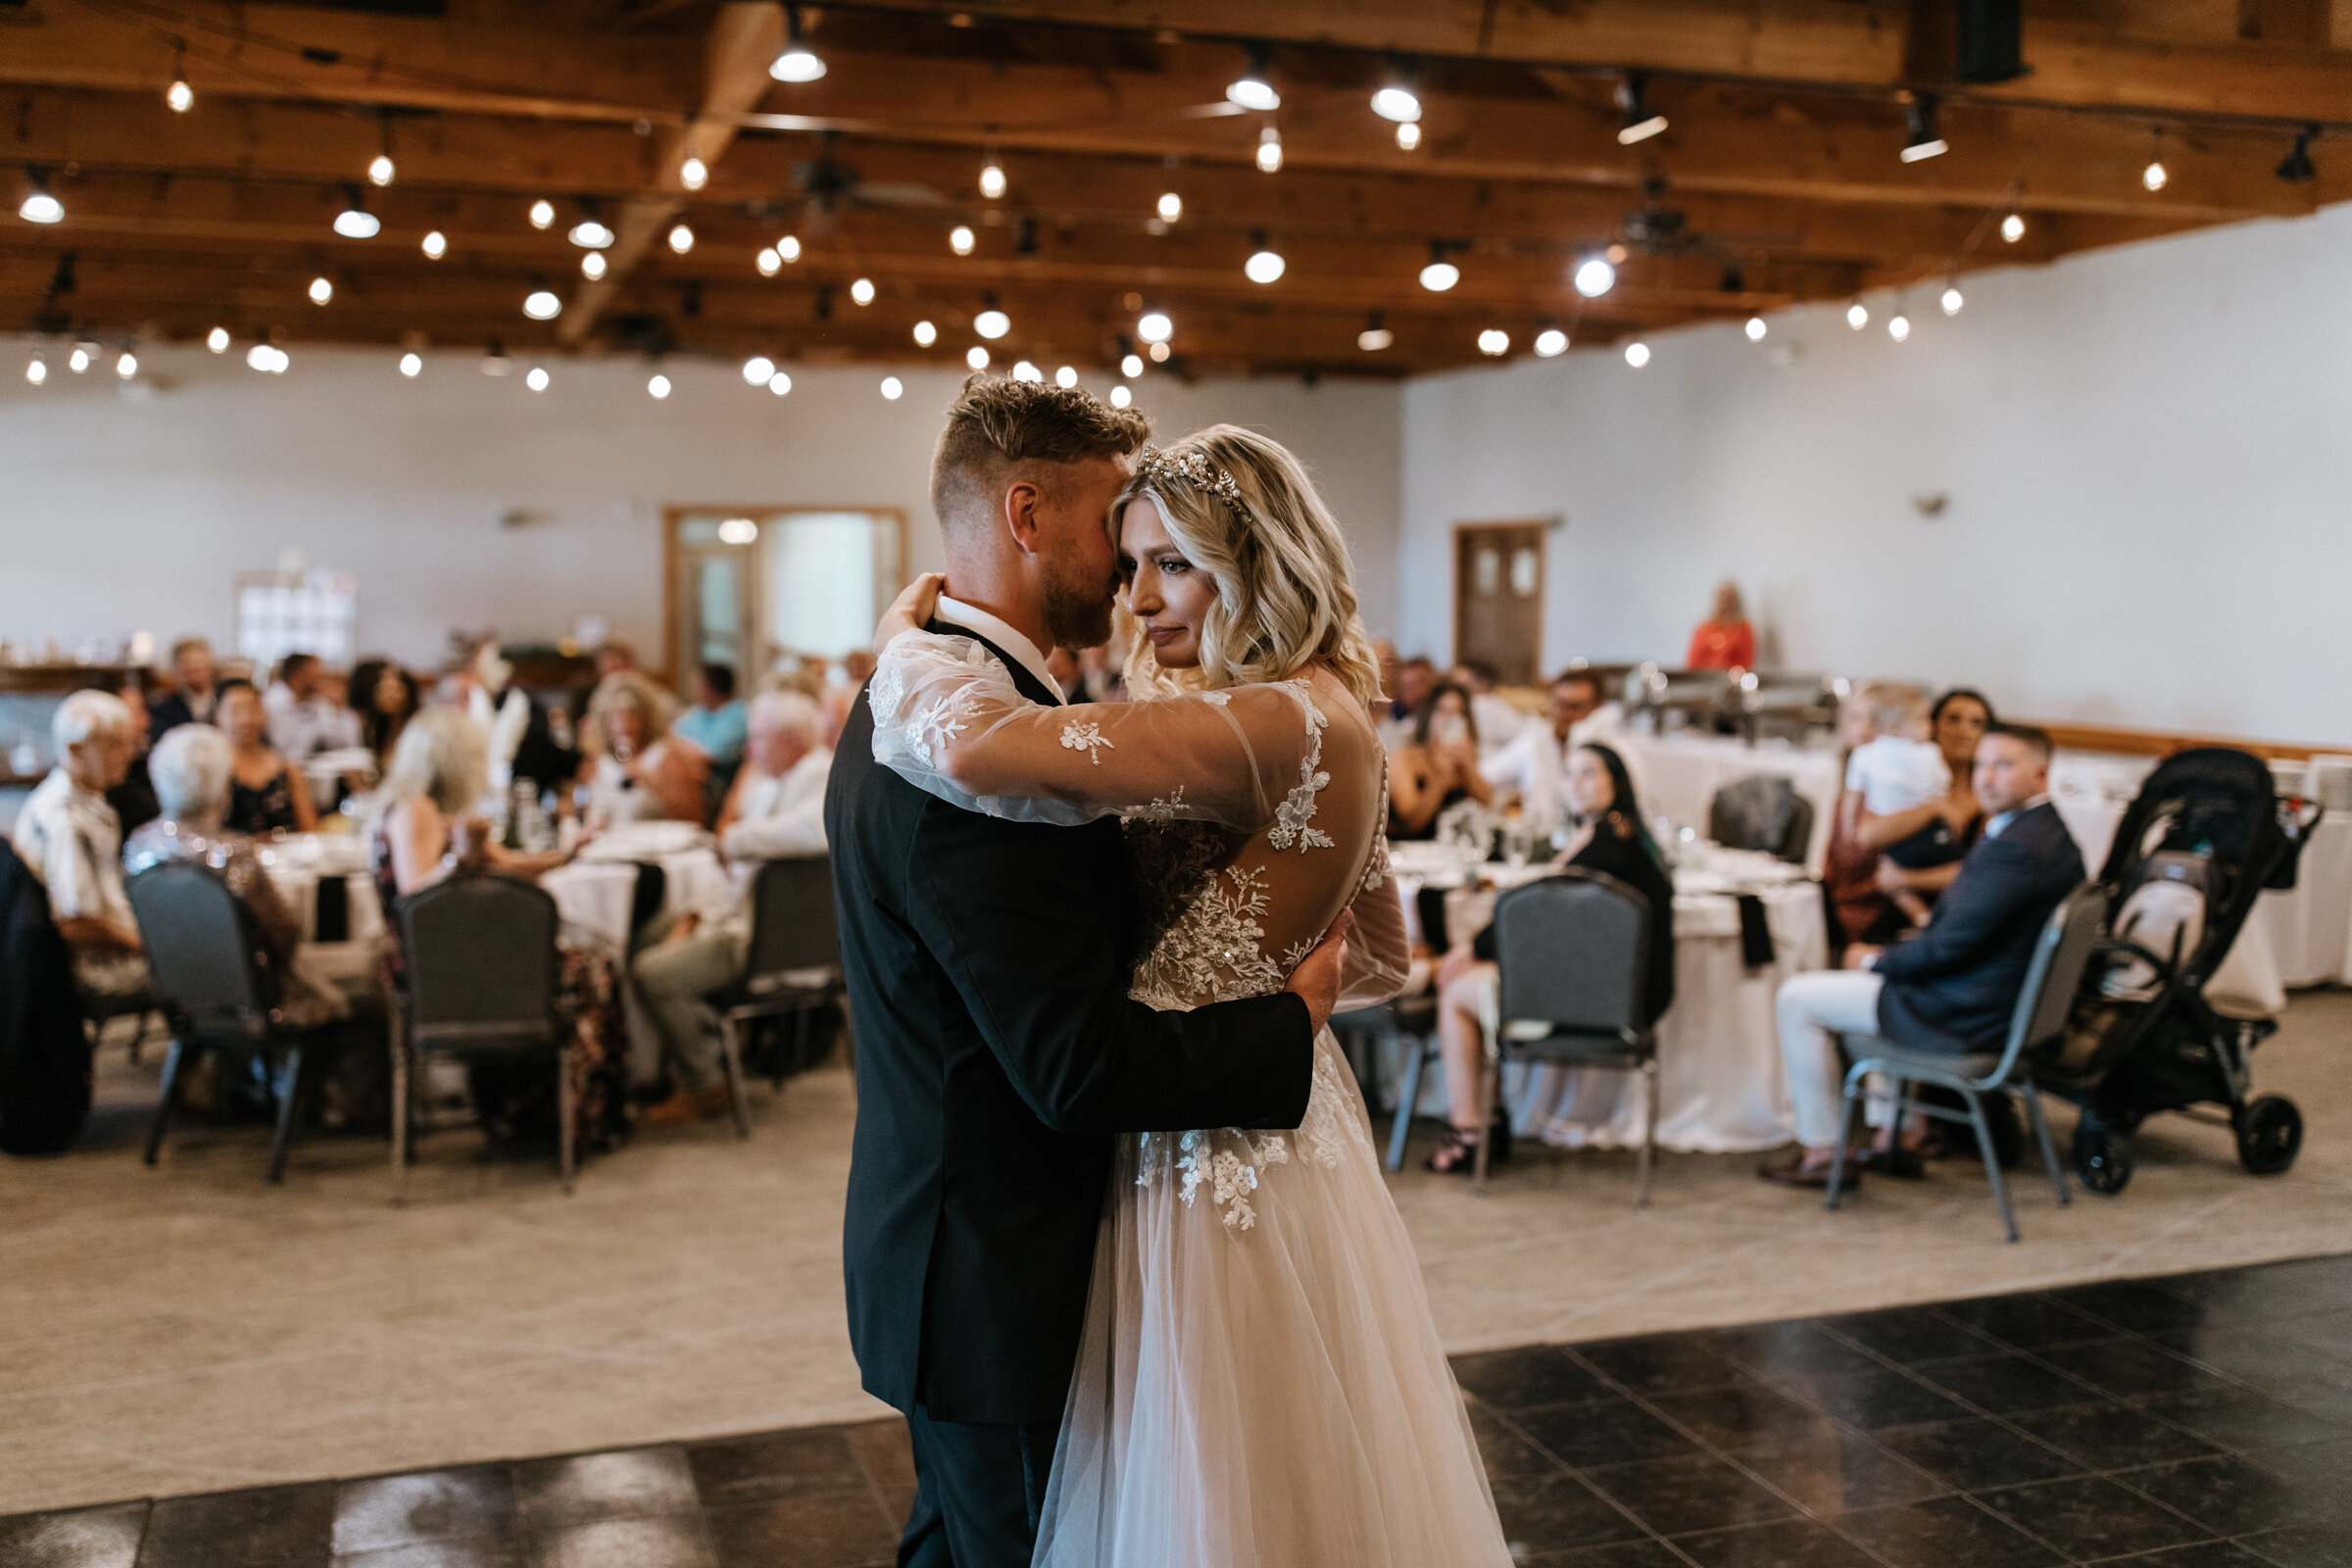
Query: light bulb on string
pixel 959 240
pixel 1131 366
pixel 1160 353
pixel 592 266
pixel 591 233
pixel 180 96
pixel 758 369
pixel 862 291
pixel 2154 176
pixel 991 323
pixel 436 246
pixel 1396 99
pixel 128 365
pixel 2013 228
pixel 1857 315
pixel 788 249
pixel 542 305
pixel 543 212
pixel 1756 329
pixel 1265 264
pixel 768 261
pixel 1898 326
pixel 1551 343
pixel 991 179
pixel 1493 342
pixel 1594 276
pixel 1637 353
pixel 779 383
pixel 925 334
pixel 1066 376
pixel 1154 327
pixel 37 370
pixel 1439 274
pixel 1171 206
pixel 1951 300
pixel 355 221
pixel 1409 137
pixel 1023 370
pixel 321 290
pixel 380 170
pixel 976 357
pixel 217 340
pixel 79 359
pixel 537 379
pixel 892 388
pixel 681 239
pixel 659 386
pixel 411 365
pixel 693 173
pixel 1120 397
pixel 1269 151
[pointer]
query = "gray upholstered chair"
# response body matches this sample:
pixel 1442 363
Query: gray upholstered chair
pixel 792 967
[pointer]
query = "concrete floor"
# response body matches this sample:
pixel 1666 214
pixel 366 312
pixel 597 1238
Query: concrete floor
pixel 189 1328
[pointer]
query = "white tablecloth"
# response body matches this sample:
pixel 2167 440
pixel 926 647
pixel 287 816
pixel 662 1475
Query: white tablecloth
pixel 1677 778
pixel 295 866
pixel 1720 1085
pixel 595 899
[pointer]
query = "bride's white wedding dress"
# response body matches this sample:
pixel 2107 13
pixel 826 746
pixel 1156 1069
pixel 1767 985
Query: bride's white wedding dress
pixel 1259 1384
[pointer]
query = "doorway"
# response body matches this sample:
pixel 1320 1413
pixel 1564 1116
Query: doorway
pixel 759 587
pixel 1499 599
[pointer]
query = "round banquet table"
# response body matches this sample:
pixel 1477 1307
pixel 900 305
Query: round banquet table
pixel 344 949
pixel 595 899
pixel 1720 1084
pixel 1677 778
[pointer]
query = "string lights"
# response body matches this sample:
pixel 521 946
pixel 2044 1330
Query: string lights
pixel 2012 228
pixel 1637 353
pixel 1493 342
pixel 959 239
pixel 1131 366
pixel 179 97
pixel 322 290
pixel 1551 343
pixel 411 365
pixel 976 357
pixel 1593 277
pixel 1269 151
pixel 592 266
pixel 862 291
pixel 991 179
pixel 1857 315
pixel 436 246
pixel 1756 329
pixel 543 212
pixel 681 239
pixel 758 369
pixel 925 334
pixel 217 340
pixel 893 389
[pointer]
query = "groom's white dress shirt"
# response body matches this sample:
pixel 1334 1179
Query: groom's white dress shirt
pixel 995 632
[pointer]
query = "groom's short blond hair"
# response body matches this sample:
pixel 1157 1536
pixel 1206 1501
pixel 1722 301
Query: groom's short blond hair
pixel 999 426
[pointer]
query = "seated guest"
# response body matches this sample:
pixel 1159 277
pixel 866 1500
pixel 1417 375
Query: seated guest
pixel 717 719
pixel 525 740
pixel 1416 678
pixel 1437 767
pixel 304 716
pixel 1953 988
pixel 68 837
pixel 1609 838
pixel 1723 639
pixel 1498 722
pixel 1934 836
pixel 190 700
pixel 636 771
pixel 266 794
pixel 1900 770
pixel 133 800
pixel 777 812
pixel 1530 768
pixel 386 697
pixel 1858 911
pixel 191 770
pixel 429 829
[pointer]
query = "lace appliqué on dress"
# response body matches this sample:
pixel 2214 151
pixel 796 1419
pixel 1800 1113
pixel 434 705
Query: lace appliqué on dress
pixel 1087 738
pixel 1162 810
pixel 1297 809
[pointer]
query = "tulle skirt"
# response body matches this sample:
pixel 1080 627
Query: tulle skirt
pixel 1260 1384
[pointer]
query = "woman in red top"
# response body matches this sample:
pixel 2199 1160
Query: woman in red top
pixel 1723 639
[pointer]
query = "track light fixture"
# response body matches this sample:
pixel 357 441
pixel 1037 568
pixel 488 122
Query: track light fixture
pixel 1156 329
pixel 1641 121
pixel 1551 343
pixel 798 62
pixel 1265 262
pixel 1396 100
pixel 1924 141
pixel 1376 334
pixel 355 221
pixel 1439 274
pixel 2295 168
pixel 39 206
pixel 1594 276
pixel 1253 88
pixel 992 323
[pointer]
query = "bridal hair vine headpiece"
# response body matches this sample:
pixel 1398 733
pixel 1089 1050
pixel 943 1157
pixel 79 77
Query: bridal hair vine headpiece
pixel 1193 469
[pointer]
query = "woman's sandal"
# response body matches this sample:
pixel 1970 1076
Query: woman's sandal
pixel 1457 1156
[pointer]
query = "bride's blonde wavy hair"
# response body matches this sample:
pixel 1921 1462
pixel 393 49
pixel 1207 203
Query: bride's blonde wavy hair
pixel 1286 591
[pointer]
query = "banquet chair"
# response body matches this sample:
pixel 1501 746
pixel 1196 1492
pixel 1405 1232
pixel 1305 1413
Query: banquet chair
pixel 2044 1004
pixel 792 967
pixel 479 982
pixel 1762 812
pixel 1574 954
pixel 208 969
pixel 1411 1022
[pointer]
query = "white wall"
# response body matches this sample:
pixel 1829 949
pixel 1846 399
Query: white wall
pixel 2145 452
pixel 121 513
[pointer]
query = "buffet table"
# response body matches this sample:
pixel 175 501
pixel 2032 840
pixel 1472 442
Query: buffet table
pixel 1720 1087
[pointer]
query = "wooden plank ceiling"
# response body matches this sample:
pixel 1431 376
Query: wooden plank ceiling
pixel 1778 180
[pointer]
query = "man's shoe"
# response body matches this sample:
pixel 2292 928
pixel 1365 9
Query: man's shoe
pixel 1791 1171
pixel 686 1107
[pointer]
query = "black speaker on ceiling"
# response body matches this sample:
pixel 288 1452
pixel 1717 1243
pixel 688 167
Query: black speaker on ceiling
pixel 1992 41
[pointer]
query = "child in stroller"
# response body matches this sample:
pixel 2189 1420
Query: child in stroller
pixel 2207 834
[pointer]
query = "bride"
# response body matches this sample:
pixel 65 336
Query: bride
pixel 1259 1384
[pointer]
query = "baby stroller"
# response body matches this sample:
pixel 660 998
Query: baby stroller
pixel 2207 834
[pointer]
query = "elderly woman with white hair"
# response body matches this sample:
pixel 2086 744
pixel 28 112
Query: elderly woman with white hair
pixel 429 829
pixel 776 811
pixel 72 840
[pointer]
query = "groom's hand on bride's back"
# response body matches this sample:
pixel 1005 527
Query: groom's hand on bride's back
pixel 1316 980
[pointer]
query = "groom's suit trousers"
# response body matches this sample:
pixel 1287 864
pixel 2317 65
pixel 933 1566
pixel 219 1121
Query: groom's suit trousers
pixel 979 1493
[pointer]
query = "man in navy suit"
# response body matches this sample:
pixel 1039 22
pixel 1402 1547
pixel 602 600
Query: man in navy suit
pixel 1953 986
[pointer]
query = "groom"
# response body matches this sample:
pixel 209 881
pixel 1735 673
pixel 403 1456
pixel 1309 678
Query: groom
pixel 997 1052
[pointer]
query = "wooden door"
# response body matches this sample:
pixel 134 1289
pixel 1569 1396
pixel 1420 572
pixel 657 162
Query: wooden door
pixel 1499 599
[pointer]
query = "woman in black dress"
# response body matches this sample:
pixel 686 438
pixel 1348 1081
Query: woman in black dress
pixel 265 792
pixel 1611 839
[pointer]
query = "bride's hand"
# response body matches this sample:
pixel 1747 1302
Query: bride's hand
pixel 1316 980
pixel 912 610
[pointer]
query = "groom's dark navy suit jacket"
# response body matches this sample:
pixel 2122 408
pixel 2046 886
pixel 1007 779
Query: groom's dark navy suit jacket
pixel 997 1053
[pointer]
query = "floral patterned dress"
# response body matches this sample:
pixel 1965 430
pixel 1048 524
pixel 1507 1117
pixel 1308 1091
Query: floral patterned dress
pixel 1259 1383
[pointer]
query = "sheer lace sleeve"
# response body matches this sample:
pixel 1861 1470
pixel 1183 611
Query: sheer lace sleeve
pixel 1380 954
pixel 948 719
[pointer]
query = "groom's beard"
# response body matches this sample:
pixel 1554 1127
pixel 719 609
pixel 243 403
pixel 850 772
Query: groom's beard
pixel 1077 608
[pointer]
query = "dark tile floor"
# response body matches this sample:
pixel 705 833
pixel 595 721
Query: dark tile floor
pixel 2195 1421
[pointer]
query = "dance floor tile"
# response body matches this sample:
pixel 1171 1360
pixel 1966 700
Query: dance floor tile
pixel 1791 1444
